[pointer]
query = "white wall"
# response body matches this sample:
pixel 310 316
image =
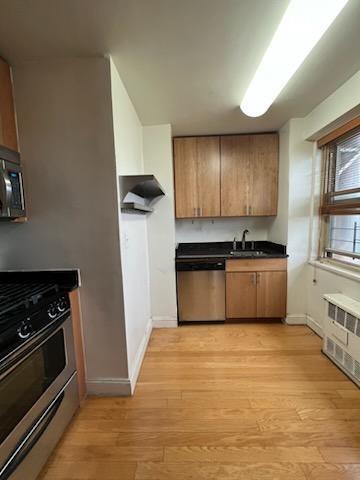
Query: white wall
pixel 300 182
pixel 66 138
pixel 278 231
pixel 292 225
pixel 133 228
pixel 341 106
pixel 222 229
pixel 157 145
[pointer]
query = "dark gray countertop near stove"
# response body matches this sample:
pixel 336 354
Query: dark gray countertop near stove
pixel 67 279
pixel 203 250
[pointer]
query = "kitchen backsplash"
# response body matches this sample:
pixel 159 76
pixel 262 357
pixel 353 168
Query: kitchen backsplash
pixel 221 229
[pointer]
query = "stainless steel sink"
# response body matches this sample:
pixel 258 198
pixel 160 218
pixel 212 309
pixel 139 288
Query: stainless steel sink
pixel 247 253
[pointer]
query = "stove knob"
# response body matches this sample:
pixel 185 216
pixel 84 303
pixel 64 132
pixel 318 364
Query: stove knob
pixel 25 330
pixel 61 306
pixel 52 312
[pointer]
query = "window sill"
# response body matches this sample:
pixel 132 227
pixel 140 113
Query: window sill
pixel 337 270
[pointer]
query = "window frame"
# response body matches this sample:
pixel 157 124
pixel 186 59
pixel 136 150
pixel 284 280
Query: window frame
pixel 329 206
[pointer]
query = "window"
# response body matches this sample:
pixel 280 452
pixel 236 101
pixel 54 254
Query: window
pixel 340 206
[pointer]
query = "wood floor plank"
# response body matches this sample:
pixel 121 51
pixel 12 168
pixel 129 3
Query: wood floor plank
pixel 243 454
pixel 346 402
pixel 111 453
pixel 329 413
pixel 119 403
pixel 331 471
pixel 353 393
pixel 311 426
pixel 341 454
pixel 89 470
pixel 219 471
pixel 290 402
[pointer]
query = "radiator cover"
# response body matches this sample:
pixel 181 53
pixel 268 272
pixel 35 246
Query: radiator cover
pixel 342 334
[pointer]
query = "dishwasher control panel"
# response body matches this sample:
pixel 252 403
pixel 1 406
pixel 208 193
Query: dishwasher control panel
pixel 199 265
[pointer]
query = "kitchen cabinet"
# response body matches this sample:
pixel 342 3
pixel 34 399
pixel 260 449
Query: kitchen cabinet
pixel 241 295
pixel 263 174
pixel 249 175
pixel 256 288
pixel 197 176
pixel 235 179
pixel 8 130
pixel 227 176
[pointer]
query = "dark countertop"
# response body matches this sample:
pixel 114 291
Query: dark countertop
pixel 223 249
pixel 67 279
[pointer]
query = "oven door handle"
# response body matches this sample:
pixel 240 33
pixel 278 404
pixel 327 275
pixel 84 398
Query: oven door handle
pixel 30 439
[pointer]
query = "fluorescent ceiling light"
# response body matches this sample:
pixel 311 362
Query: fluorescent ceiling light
pixel 302 26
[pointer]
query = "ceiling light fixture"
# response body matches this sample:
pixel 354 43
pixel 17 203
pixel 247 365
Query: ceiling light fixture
pixel 302 26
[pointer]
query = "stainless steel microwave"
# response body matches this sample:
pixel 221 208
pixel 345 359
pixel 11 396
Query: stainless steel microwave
pixel 12 203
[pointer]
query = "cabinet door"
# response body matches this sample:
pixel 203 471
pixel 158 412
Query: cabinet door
pixel 8 132
pixel 241 295
pixel 197 177
pixel 186 196
pixel 264 153
pixel 271 294
pixel 208 176
pixel 235 154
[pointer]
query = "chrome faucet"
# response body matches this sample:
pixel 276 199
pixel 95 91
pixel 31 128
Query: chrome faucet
pixel 234 245
pixel 243 240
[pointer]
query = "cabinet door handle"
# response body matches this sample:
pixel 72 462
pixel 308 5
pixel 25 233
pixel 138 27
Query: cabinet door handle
pixel 194 212
pixel 258 277
pixel 254 278
pixel 250 210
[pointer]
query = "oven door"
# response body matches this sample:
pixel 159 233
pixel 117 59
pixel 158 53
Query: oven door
pixel 32 382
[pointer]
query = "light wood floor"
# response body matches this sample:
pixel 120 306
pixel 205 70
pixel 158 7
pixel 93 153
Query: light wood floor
pixel 221 402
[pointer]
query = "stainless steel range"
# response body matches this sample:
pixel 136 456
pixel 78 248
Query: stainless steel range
pixel 38 384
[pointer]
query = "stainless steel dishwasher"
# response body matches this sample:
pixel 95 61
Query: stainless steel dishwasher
pixel 201 290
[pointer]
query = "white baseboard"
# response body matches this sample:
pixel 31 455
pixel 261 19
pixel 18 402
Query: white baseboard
pixel 315 326
pixel 164 322
pixel 140 356
pixel 296 319
pixel 303 319
pixel 109 387
pixel 121 386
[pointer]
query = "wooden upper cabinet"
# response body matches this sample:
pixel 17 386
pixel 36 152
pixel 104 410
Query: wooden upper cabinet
pixel 235 154
pixel 249 175
pixel 186 195
pixel 227 176
pixel 8 131
pixel 197 177
pixel 263 182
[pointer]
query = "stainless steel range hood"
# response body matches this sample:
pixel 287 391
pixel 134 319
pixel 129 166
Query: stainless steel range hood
pixel 137 193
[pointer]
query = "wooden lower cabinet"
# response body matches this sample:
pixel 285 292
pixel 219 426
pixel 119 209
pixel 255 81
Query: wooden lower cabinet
pixel 255 294
pixel 271 294
pixel 241 295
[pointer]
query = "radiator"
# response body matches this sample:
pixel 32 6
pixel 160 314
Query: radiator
pixel 342 334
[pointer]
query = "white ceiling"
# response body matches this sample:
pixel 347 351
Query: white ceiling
pixel 184 62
